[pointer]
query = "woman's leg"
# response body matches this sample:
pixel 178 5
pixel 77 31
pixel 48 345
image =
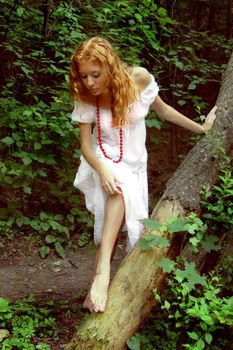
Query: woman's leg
pixel 114 214
pixel 87 302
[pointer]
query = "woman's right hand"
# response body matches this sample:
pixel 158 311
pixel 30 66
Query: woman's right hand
pixel 108 180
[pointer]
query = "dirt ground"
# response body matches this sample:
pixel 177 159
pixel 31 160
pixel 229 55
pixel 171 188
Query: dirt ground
pixel 23 272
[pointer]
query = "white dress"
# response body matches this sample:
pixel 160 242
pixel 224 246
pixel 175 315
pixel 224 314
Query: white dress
pixel 131 171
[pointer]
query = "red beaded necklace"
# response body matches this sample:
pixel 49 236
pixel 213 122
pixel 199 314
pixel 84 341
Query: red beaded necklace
pixel 100 138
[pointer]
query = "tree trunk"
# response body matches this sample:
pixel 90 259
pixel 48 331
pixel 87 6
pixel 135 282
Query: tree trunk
pixel 130 293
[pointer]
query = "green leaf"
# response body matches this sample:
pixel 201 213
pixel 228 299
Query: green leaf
pixel 200 345
pixel 172 52
pixel 209 243
pixel 203 326
pixel 26 160
pixel 27 189
pixel 149 241
pixel 192 86
pixel 75 211
pixel 176 225
pixel 44 251
pixel 193 335
pixel 181 102
pixel 190 275
pixel 134 343
pixel 35 224
pixel 84 239
pixel 208 338
pixel 153 123
pixel 139 17
pixel 20 11
pixel 50 239
pixel 45 226
pixel 166 264
pixel 166 305
pixel 152 224
pixel 8 140
pixel 179 65
pixel 37 145
pixel 59 249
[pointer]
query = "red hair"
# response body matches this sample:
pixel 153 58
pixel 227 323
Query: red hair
pixel 122 88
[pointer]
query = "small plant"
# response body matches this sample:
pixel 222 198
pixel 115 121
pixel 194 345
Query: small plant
pixel 192 311
pixel 194 227
pixel 26 324
pixel 217 201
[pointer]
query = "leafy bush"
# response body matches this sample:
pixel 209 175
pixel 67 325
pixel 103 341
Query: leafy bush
pixel 26 325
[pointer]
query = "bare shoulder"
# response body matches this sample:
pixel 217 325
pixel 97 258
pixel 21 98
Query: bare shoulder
pixel 141 77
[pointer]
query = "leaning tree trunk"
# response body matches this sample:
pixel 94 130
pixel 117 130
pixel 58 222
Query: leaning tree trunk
pixel 130 293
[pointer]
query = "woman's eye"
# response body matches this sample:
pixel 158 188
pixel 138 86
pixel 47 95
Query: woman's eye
pixel 96 75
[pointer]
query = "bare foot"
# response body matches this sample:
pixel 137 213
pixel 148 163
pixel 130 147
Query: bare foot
pixel 99 291
pixel 88 303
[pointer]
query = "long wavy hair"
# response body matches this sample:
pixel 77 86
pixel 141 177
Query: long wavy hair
pixel 122 89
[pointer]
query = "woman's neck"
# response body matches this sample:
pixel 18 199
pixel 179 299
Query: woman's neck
pixel 104 100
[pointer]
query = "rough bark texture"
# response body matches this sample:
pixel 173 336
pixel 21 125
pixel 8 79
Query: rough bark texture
pixel 130 293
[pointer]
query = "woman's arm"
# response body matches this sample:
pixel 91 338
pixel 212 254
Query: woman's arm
pixel 170 114
pixel 107 178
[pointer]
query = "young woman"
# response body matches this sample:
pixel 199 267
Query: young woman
pixel 115 99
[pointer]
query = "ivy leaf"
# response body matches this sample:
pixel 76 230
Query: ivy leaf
pixel 195 279
pixel 177 225
pixel 150 240
pixel 190 276
pixel 209 243
pixel 134 343
pixel 153 224
pixel 166 264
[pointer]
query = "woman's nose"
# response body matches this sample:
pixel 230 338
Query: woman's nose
pixel 90 81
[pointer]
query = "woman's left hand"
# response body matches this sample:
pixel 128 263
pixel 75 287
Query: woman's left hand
pixel 210 119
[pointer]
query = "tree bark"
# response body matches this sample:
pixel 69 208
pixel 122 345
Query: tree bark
pixel 130 293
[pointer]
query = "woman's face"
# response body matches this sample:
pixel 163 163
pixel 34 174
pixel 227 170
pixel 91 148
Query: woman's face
pixel 94 77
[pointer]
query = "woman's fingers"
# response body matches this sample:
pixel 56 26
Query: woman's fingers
pixel 210 119
pixel 211 115
pixel 113 189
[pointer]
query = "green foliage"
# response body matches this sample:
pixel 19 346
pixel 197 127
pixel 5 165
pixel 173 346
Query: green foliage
pixel 195 228
pixel 189 317
pixel 145 20
pixel 27 324
pixel 37 138
pixel 218 201
pixel 194 309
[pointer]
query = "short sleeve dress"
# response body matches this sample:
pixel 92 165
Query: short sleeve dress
pixel 131 171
